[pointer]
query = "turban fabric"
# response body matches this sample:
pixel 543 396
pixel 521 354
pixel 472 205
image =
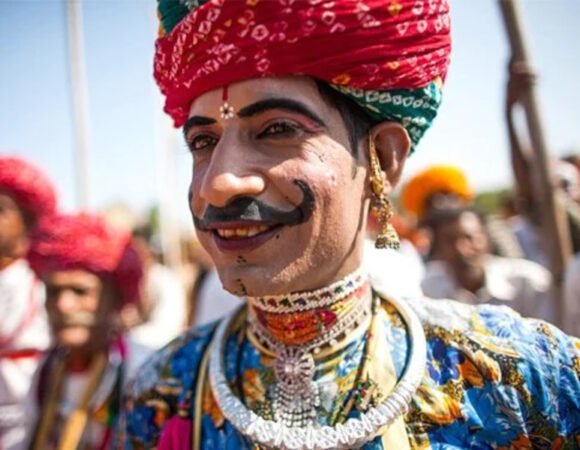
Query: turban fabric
pixel 434 180
pixel 391 56
pixel 28 186
pixel 86 242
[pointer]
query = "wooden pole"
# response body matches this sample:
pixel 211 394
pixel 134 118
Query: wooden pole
pixel 79 99
pixel 554 224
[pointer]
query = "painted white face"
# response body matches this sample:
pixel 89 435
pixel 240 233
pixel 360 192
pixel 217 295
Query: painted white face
pixel 277 198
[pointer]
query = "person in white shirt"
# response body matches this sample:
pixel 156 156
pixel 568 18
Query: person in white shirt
pixel 213 301
pixel 26 194
pixel 382 265
pixel 461 268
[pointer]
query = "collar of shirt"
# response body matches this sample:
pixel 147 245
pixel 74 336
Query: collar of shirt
pixel 497 285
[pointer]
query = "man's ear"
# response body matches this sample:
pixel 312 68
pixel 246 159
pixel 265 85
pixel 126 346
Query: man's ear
pixel 393 144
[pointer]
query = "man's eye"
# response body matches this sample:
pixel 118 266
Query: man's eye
pixel 80 291
pixel 281 129
pixel 201 142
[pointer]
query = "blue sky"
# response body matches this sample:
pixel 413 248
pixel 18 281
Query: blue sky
pixel 127 128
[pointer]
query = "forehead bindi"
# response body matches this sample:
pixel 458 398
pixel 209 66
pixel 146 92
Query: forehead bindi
pixel 243 95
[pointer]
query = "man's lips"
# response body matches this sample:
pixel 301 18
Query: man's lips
pixel 74 322
pixel 241 236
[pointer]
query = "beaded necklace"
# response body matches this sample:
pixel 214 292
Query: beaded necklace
pixel 295 328
pixel 296 395
pixel 303 301
pixel 299 318
pixel 351 433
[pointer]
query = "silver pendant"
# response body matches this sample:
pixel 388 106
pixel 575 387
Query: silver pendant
pixel 296 395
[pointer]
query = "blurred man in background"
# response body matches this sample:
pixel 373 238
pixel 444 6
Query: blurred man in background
pixel 466 271
pixel 442 187
pixel 25 196
pixel 527 226
pixel 90 271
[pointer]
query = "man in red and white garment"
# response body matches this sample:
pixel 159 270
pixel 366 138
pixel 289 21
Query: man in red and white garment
pixel 26 195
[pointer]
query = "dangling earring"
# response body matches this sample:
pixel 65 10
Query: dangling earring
pixel 380 205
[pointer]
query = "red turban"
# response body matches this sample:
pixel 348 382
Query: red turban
pixel 86 242
pixel 28 186
pixel 362 44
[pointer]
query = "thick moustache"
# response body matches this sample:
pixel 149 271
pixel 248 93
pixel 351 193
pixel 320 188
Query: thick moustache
pixel 247 216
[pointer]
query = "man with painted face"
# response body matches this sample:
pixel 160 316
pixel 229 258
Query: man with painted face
pixel 90 271
pixel 26 195
pixel 299 117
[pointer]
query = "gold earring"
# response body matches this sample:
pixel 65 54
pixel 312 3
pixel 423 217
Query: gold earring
pixel 380 205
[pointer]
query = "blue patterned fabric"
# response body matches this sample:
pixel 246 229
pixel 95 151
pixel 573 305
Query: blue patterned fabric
pixel 492 380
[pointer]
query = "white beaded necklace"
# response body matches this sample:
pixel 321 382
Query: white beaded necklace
pixel 296 395
pixel 354 433
pixel 305 301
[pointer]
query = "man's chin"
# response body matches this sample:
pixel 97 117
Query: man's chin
pixel 242 280
pixel 251 281
pixel 469 267
pixel 72 337
pixel 256 280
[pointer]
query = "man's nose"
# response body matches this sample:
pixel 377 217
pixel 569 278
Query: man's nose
pixel 230 174
pixel 66 301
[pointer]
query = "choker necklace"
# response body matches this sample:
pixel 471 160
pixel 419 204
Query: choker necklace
pixel 354 433
pixel 296 394
pixel 296 327
pixel 305 301
pixel 299 318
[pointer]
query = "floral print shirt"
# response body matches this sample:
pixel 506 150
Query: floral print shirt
pixel 493 380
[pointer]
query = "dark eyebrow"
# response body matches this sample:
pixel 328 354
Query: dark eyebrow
pixel 279 103
pixel 197 120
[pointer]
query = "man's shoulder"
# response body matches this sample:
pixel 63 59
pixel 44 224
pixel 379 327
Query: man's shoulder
pixel 163 389
pixel 484 320
pixel 17 275
pixel 501 332
pixel 487 364
pixel 170 365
